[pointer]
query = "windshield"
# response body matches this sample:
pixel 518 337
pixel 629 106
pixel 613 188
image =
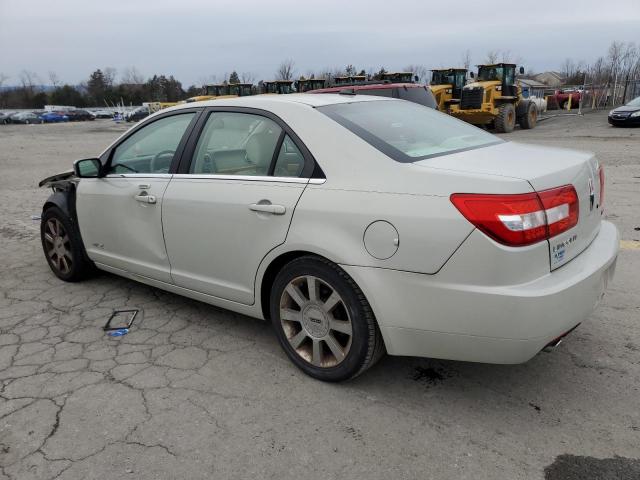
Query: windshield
pixel 635 102
pixel 494 72
pixel 406 131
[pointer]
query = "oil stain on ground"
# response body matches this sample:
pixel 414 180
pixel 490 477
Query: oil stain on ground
pixel 574 467
pixel 430 375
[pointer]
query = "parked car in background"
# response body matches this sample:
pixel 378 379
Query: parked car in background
pixel 54 117
pixel 627 115
pixel 5 117
pixel 26 118
pixel 413 92
pixel 102 114
pixel 354 224
pixel 79 115
pixel 137 114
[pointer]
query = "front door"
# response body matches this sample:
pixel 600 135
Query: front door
pixel 120 214
pixel 234 205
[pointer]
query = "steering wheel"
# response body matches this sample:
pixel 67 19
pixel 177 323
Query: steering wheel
pixel 155 166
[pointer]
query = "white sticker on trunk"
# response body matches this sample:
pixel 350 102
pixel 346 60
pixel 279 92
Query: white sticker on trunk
pixel 559 249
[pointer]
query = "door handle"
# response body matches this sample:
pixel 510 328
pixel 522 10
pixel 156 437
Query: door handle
pixel 146 198
pixel 268 208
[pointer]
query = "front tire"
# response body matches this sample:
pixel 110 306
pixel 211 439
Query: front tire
pixel 323 321
pixel 62 247
pixel 506 119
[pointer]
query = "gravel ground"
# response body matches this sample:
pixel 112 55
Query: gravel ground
pixel 198 392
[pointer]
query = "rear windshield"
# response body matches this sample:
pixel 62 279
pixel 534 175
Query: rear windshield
pixel 406 131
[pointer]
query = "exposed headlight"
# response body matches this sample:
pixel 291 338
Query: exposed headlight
pixel 499 88
pixel 635 114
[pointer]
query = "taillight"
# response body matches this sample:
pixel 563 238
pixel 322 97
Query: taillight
pixel 561 208
pixel 601 175
pixel 521 219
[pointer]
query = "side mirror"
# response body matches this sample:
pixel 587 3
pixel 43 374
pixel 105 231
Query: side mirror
pixel 472 75
pixel 416 78
pixel 87 168
pixel 521 70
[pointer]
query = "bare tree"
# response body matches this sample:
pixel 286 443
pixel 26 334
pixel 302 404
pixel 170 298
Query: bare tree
pixel 420 71
pixel 109 75
pixel 3 78
pixel 285 70
pixel 466 59
pixel 247 77
pixel 28 80
pixel 54 79
pixel 492 56
pixel 132 76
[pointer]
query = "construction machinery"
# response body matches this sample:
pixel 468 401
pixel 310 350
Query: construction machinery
pixel 277 87
pixel 349 79
pixel 446 85
pixel 399 77
pixel 308 84
pixel 240 89
pixel 210 92
pixel 495 99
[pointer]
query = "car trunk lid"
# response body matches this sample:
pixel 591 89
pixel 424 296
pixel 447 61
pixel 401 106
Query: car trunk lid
pixel 543 168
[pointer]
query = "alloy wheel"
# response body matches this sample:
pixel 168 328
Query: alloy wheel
pixel 58 245
pixel 316 321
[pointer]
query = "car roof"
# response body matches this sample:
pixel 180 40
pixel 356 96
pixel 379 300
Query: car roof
pixel 265 100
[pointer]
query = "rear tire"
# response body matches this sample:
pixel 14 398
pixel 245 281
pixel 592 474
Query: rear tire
pixel 63 248
pixel 506 119
pixel 323 320
pixel 530 117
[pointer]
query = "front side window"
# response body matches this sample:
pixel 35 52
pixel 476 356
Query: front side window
pixel 152 148
pixel 406 131
pixel 234 143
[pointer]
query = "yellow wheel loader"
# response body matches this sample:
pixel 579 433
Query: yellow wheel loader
pixel 446 85
pixel 494 99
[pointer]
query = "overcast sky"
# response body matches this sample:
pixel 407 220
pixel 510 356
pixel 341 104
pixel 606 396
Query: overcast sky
pixel 196 39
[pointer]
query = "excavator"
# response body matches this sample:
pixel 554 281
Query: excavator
pixel 446 85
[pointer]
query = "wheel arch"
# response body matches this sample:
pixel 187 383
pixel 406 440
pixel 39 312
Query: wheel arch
pixel 272 269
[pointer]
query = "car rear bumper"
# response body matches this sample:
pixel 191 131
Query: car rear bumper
pixel 431 316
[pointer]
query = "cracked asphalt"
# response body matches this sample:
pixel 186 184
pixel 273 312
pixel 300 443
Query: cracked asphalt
pixel 198 392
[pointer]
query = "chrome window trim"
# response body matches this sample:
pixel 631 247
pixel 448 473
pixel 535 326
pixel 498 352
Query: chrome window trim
pixel 243 178
pixel 138 175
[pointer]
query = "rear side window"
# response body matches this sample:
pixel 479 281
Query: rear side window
pixel 236 144
pixel 406 131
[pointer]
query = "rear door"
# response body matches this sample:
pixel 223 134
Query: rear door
pixel 120 214
pixel 233 202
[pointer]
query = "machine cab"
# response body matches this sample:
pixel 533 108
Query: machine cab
pixel 278 87
pixel 399 77
pixel 504 73
pixel 241 89
pixel 308 84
